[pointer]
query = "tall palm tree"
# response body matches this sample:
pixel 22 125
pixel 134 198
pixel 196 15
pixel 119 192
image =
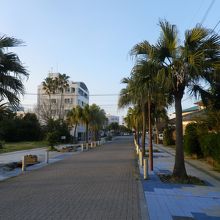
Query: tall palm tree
pixel 11 71
pixel 133 94
pixel 61 84
pixel 86 117
pixel 182 66
pixel 144 74
pixel 185 65
pixel 49 86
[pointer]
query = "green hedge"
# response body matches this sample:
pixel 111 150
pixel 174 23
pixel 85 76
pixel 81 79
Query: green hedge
pixel 168 136
pixel 191 140
pixel 210 145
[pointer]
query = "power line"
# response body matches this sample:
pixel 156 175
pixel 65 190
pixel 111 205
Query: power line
pixel 216 25
pixel 207 12
pixel 43 94
pixel 197 11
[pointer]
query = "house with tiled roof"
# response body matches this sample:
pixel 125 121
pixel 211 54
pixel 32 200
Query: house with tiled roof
pixel 190 114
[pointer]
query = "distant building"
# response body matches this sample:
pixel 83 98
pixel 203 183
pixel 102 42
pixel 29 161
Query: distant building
pixel 112 118
pixel 76 94
pixel 123 121
pixel 190 115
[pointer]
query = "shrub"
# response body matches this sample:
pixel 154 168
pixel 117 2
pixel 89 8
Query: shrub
pixel 168 136
pixel 52 138
pixel 57 126
pixel 20 129
pixel 2 143
pixel 191 140
pixel 210 145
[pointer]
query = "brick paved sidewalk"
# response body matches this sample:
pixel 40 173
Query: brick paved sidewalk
pixel 98 184
pixel 180 201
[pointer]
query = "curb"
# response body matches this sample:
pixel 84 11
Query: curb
pixel 143 202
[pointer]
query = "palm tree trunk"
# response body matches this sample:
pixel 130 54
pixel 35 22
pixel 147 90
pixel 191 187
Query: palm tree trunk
pixel 75 130
pixel 143 137
pixel 87 133
pixel 61 106
pixel 135 134
pixel 150 135
pixel 50 114
pixel 137 126
pixel 157 133
pixel 179 167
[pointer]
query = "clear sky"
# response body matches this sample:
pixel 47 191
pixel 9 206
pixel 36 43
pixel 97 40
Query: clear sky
pixel 90 40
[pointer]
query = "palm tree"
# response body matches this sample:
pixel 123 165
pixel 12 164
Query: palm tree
pixel 61 84
pixel 86 117
pixel 145 76
pixel 74 117
pixel 210 97
pixel 133 120
pixel 134 95
pixel 182 66
pixel 49 86
pixel 97 120
pixel 11 71
pixel 185 65
pixel 160 116
pixel 5 111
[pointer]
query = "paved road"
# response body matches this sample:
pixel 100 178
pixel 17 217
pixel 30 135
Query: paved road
pixel 98 184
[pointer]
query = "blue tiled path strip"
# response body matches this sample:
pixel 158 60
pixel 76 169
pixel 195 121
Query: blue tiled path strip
pixel 177 201
pixel 97 184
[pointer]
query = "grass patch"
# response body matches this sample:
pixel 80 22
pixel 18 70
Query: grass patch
pixel 166 178
pixel 24 145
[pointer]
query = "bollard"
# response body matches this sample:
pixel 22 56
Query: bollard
pixel 145 168
pixel 137 149
pixel 87 146
pixel 23 163
pixel 82 147
pixel 47 156
pixel 140 158
pixel 91 145
pixel 95 144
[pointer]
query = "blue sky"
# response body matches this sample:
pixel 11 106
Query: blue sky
pixel 90 40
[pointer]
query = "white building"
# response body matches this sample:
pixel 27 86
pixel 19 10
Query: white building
pixel 58 105
pixel 112 118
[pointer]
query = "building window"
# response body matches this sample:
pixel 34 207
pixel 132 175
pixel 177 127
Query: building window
pixel 67 101
pixel 80 92
pixel 67 90
pixel 72 90
pixel 53 101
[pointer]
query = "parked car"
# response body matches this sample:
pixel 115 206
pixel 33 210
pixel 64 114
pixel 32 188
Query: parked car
pixel 161 136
